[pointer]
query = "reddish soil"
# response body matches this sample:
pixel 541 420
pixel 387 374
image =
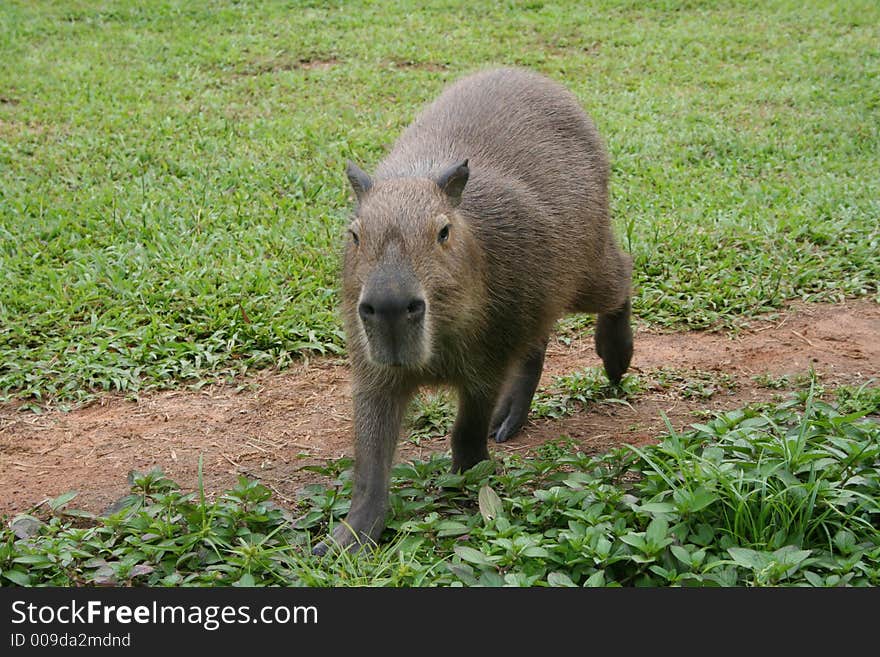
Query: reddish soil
pixel 273 424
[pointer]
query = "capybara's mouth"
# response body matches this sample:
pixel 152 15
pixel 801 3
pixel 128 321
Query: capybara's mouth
pixel 399 350
pixel 396 363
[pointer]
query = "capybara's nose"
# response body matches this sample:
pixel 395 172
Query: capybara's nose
pixel 391 309
pixel 415 309
pixel 366 311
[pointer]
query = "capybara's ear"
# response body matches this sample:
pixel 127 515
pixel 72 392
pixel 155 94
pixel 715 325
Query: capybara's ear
pixel 453 180
pixel 360 181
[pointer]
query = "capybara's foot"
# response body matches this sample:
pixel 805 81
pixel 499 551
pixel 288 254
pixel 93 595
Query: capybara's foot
pixel 512 409
pixel 352 534
pixel 509 417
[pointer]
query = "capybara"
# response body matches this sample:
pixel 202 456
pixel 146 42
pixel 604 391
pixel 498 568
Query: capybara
pixel 486 222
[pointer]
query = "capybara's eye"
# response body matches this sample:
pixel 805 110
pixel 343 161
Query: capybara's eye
pixel 355 238
pixel 443 235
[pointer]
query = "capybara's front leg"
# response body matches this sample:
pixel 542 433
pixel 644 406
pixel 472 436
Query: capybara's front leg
pixel 377 418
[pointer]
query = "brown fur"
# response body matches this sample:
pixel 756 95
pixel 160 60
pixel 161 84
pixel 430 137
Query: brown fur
pixel 529 240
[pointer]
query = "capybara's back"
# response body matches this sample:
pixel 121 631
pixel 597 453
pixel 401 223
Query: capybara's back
pixel 487 221
pixel 538 186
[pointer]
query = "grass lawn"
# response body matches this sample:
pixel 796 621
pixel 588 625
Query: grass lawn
pixel 172 196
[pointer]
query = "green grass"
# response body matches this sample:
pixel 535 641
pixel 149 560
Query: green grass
pixel 172 203
pixel 570 393
pixel 694 384
pixel 172 195
pixel 432 413
pixel 786 494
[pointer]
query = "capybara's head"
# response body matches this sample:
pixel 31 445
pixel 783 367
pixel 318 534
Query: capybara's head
pixel 411 265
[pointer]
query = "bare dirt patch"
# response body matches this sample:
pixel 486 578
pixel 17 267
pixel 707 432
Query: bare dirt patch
pixel 281 65
pixel 405 64
pixel 273 424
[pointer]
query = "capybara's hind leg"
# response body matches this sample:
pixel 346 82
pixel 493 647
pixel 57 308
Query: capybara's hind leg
pixel 512 410
pixel 471 425
pixel 614 341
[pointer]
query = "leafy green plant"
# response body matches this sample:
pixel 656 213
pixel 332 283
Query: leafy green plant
pixel 570 393
pixel 692 384
pixel 862 399
pixel 430 416
pixel 785 381
pixel 785 494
